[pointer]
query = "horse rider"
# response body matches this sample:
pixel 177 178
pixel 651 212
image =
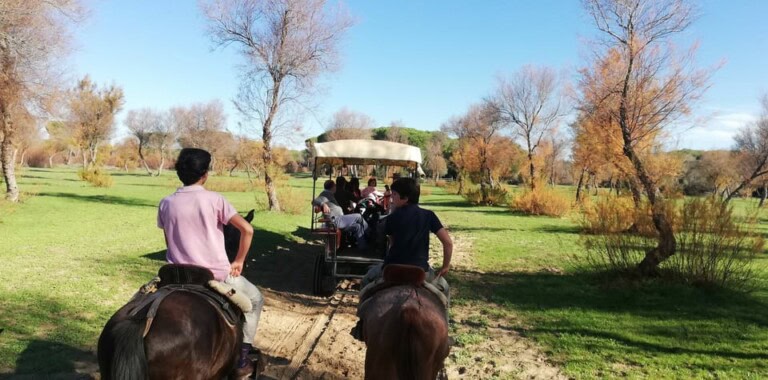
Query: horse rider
pixel 408 228
pixel 192 220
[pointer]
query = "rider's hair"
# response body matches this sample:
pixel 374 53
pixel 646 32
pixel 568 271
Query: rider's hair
pixel 372 182
pixel 354 183
pixel 407 188
pixel 341 182
pixel 328 184
pixel 192 165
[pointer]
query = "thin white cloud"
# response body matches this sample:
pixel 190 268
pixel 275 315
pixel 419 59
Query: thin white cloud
pixel 715 132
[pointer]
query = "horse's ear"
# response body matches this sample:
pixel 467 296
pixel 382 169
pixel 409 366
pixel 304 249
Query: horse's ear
pixel 249 216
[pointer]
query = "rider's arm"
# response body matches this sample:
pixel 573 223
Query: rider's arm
pixel 445 239
pixel 246 235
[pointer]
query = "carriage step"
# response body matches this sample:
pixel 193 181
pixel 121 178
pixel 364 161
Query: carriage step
pixel 355 259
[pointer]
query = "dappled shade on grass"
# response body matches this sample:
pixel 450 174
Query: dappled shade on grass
pixel 596 328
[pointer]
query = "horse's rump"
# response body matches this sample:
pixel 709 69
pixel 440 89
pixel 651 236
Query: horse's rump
pixel 189 338
pixel 405 332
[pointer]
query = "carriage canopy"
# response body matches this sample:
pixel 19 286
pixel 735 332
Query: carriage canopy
pixel 367 152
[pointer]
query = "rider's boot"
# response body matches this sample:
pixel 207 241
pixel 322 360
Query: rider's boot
pixel 357 331
pixel 244 365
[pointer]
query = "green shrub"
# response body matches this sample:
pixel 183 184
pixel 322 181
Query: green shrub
pixel 96 176
pixel 713 248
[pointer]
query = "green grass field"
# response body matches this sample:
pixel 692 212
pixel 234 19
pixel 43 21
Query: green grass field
pixel 72 254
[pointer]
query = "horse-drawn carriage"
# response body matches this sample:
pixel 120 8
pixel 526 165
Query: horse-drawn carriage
pixel 337 260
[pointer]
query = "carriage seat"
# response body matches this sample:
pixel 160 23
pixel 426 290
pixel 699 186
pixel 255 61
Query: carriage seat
pixel 398 275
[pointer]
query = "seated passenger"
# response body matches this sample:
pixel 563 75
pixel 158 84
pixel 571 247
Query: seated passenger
pixel 344 196
pixel 354 187
pixel 371 189
pixel 353 224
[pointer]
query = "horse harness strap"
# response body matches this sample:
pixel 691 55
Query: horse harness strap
pixel 231 313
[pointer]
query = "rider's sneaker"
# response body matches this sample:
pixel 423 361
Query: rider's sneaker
pixel 357 331
pixel 244 372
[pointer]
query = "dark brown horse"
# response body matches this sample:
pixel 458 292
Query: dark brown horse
pixel 188 339
pixel 406 334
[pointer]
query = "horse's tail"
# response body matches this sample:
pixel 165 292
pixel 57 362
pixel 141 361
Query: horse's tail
pixel 124 341
pixel 412 359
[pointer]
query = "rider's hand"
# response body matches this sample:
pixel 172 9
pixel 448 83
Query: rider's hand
pixel 237 268
pixel 443 271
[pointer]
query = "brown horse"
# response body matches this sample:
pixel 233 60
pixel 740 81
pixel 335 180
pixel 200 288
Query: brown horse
pixel 188 339
pixel 406 334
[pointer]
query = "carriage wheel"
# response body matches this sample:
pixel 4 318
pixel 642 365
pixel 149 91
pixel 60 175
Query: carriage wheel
pixel 323 283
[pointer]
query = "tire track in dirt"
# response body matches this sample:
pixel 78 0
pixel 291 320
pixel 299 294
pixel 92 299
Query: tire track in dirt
pixel 303 337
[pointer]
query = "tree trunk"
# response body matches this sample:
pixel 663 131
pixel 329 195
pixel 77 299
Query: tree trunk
pixel 460 191
pixel 667 244
pixel 232 169
pixel 94 150
pixel 580 184
pixel 142 159
pixel 7 158
pixel 635 190
pixel 531 169
pixel 763 194
pixel 274 203
pixel 23 157
pixel 248 173
pixel 162 164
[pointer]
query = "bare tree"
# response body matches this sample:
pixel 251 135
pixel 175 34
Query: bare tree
pixel 286 44
pixel 639 84
pixel 530 103
pixel 142 123
pixel 92 113
pixel 347 124
pixel 163 137
pixel 558 145
pixel 752 148
pixel 477 131
pixel 395 132
pixel 436 163
pixel 33 39
pixel 198 124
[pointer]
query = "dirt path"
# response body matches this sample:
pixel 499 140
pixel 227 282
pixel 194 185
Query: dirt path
pixel 307 337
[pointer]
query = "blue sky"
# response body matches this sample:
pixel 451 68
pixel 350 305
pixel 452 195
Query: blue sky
pixel 419 62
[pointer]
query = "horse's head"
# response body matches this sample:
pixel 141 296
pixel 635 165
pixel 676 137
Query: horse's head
pixel 232 237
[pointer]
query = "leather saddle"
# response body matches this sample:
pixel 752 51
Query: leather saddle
pixel 397 275
pixel 184 278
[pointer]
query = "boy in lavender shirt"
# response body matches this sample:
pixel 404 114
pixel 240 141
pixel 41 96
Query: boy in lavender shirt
pixel 192 220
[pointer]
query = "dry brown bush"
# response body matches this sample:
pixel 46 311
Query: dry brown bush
pixel 541 201
pixel 97 177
